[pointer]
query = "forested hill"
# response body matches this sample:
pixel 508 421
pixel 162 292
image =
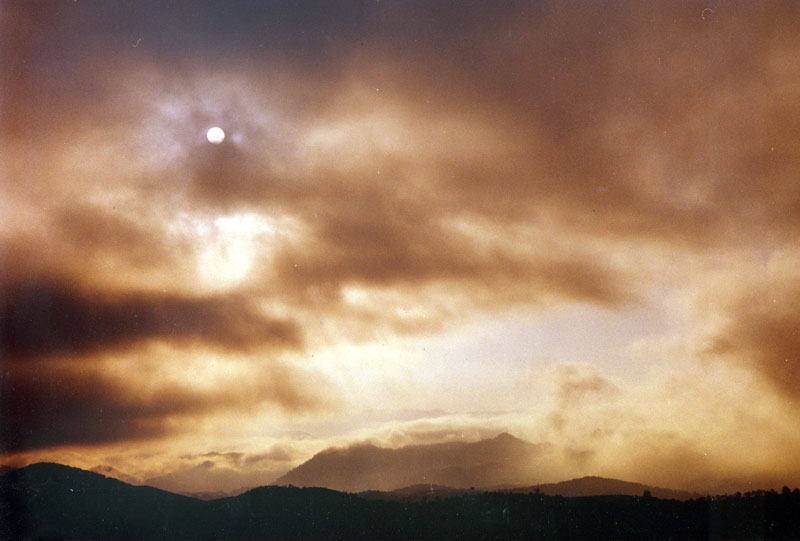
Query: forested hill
pixel 601 486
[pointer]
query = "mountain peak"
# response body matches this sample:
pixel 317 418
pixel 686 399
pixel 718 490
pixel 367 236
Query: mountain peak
pixel 501 460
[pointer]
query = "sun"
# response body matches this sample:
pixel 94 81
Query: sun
pixel 215 135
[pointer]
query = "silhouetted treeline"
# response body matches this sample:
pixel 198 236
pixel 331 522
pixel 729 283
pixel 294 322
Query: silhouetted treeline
pixel 56 502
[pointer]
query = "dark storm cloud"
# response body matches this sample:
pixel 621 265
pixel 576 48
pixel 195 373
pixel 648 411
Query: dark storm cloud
pixel 49 408
pixel 42 317
pixel 57 404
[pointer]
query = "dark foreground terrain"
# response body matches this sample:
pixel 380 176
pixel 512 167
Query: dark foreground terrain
pixel 49 501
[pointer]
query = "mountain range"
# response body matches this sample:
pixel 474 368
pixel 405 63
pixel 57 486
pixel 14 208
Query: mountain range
pixel 501 463
pixel 51 501
pixel 448 468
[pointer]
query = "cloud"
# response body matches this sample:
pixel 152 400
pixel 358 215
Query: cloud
pixel 225 471
pixel 665 460
pixel 232 457
pixel 185 479
pixel 567 156
pixel 277 453
pixel 94 233
pixel 585 417
pixel 765 339
pixel 412 165
pixel 578 388
pixel 386 242
pixel 753 323
pixel 63 405
pixel 577 384
pixel 581 457
pixel 41 317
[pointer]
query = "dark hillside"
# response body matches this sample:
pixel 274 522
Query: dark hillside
pixel 49 501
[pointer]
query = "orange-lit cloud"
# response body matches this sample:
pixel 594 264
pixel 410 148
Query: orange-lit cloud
pixel 755 325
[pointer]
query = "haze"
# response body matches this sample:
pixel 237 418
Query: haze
pixel 427 222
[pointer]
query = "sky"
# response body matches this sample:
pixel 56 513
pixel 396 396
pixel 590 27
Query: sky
pixel 429 221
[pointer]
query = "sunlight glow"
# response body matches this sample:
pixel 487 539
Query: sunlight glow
pixel 226 246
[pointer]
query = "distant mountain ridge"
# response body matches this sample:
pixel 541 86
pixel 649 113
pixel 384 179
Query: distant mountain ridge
pixel 498 461
pixel 602 486
pixel 574 488
pixel 443 469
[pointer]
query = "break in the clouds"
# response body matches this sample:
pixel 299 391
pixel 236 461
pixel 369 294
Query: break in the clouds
pixel 610 188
